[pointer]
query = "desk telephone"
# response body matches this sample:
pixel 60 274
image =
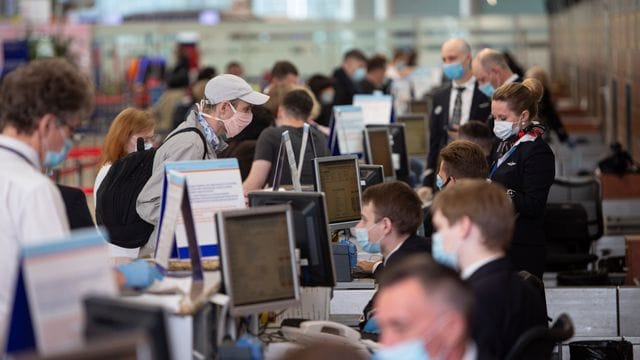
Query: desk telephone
pixel 314 331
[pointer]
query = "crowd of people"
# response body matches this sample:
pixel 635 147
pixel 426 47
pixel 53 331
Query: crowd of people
pixel 454 293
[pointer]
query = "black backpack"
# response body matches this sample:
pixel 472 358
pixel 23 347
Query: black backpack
pixel 118 192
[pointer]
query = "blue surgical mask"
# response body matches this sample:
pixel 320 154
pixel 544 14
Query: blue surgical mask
pixel 326 98
pixel 148 146
pixel 504 129
pixel 441 255
pixel 54 158
pixel 440 183
pixel 362 237
pixel 409 350
pixel 359 74
pixel 453 71
pixel 487 89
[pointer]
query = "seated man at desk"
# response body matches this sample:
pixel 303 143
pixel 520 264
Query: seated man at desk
pixel 474 222
pixel 391 215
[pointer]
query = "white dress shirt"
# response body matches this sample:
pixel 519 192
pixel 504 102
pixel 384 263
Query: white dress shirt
pixel 511 79
pixel 32 212
pixel 467 98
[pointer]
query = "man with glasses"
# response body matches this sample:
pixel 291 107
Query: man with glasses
pixel 223 114
pixel 41 105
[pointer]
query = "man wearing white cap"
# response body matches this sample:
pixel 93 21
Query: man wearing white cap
pixel 225 112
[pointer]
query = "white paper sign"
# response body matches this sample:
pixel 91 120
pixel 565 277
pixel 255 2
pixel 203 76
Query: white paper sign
pixel 57 277
pixel 349 127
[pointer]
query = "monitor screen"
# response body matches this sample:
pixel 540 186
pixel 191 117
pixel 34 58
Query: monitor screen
pixel 105 316
pixel 379 150
pixel 311 232
pixel 371 175
pixel 257 253
pixel 416 132
pixel 399 154
pixel 376 109
pixel 339 179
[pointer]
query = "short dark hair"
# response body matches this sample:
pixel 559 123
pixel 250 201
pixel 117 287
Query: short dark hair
pixel 355 54
pixel 283 68
pixel 398 202
pixel 319 82
pixel 207 73
pixel 377 62
pixel 478 133
pixel 298 104
pixel 463 159
pixel 485 204
pixel 51 86
pixel 438 281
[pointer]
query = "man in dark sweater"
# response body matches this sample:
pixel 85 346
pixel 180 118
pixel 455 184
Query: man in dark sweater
pixel 474 222
pixel 292 114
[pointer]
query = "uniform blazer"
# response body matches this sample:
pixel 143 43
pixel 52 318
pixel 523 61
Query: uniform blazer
pixel 529 172
pixel 439 121
pixel 345 88
pixel 505 307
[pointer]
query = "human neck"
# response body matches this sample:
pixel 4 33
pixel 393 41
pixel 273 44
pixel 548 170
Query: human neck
pixel 392 242
pixel 289 121
pixel 474 252
pixel 463 80
pixel 30 140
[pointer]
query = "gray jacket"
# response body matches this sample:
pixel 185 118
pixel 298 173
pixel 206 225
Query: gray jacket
pixel 184 146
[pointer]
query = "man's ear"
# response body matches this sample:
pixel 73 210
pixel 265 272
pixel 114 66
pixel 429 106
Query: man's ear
pixel 465 226
pixel 46 123
pixel 387 225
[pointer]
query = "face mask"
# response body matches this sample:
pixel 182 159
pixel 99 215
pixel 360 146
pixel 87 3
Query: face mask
pixel 55 158
pixel 453 71
pixel 326 97
pixel 409 350
pixel 148 146
pixel 401 65
pixel 359 74
pixel 504 129
pixel 362 237
pixel 441 184
pixel 236 123
pixel 487 89
pixel 439 254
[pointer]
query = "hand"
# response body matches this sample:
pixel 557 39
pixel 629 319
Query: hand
pixel 139 274
pixel 366 266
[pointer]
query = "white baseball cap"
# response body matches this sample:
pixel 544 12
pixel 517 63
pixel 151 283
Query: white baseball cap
pixel 227 87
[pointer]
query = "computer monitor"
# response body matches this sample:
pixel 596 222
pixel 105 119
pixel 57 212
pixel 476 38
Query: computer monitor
pixel 399 155
pixel 416 132
pixel 107 316
pixel 376 109
pixel 338 177
pixel 371 175
pixel 379 152
pixel 311 229
pixel 257 254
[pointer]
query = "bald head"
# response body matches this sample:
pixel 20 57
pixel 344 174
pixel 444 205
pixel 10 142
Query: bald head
pixel 490 66
pixel 457 51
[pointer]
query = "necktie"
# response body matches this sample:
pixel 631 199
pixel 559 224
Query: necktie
pixel 457 107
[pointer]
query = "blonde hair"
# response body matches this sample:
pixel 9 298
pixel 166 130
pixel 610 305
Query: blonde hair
pixel 521 97
pixel 128 122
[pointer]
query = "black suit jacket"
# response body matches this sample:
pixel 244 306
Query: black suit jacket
pixel 529 172
pixel 344 86
pixel 413 245
pixel 439 122
pixel 75 203
pixel 505 307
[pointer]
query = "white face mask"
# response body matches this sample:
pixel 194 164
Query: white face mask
pixel 504 129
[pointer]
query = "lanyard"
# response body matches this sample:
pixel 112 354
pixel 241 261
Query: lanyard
pixel 17 153
pixel 500 161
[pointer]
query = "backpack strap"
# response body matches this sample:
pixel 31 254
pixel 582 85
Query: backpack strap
pixel 189 129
